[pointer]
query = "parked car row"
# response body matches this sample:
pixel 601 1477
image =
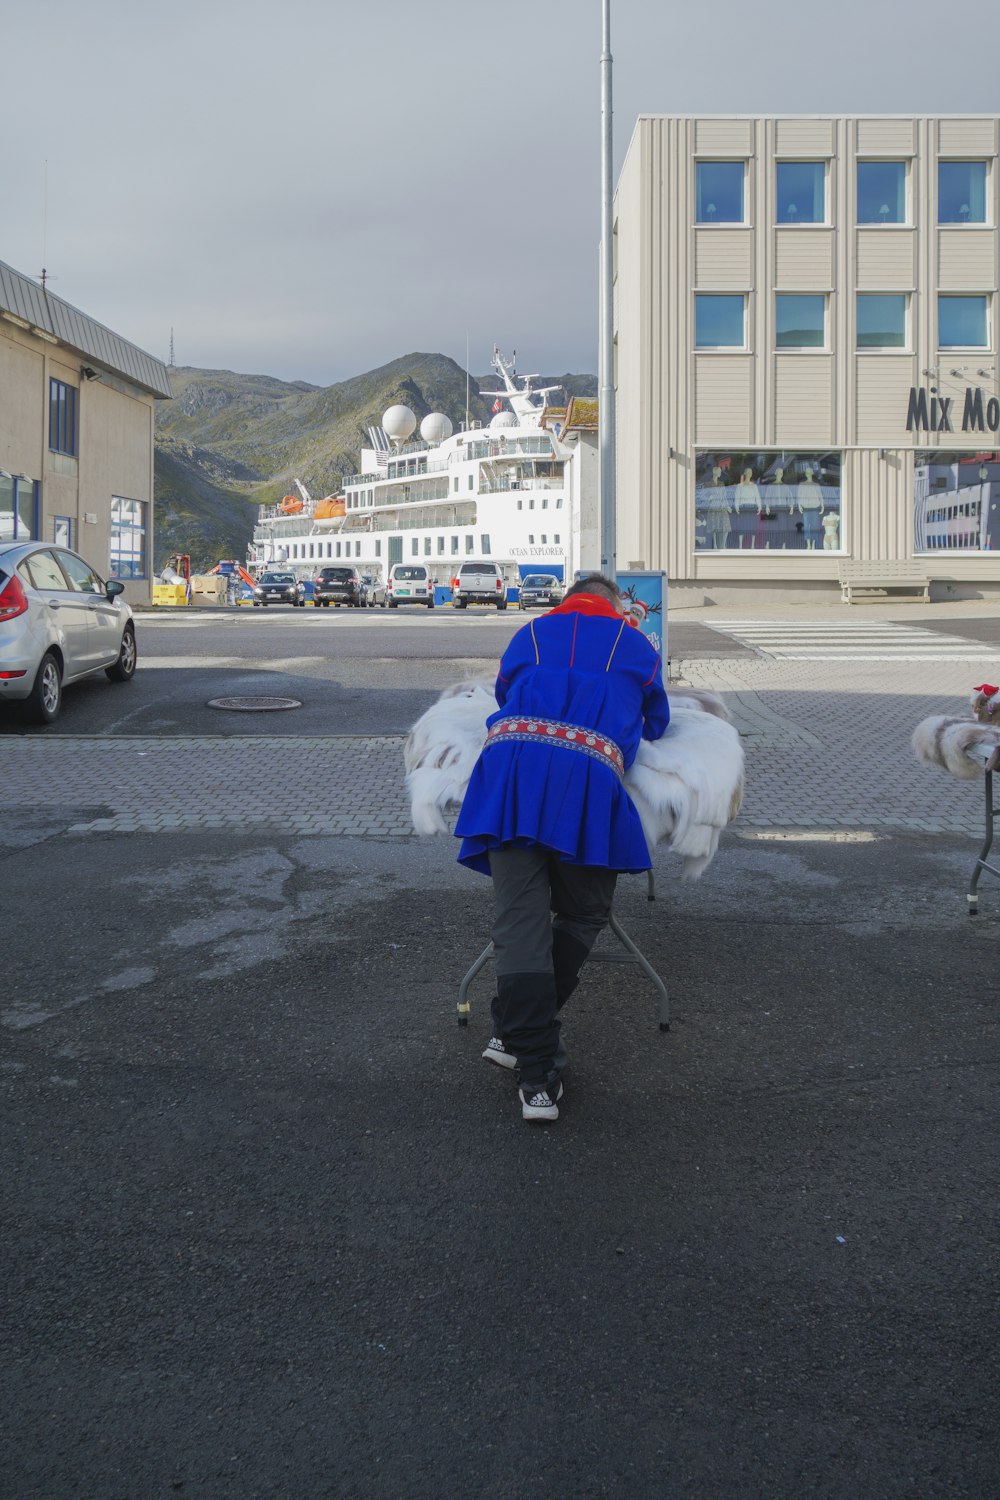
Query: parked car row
pixel 407 583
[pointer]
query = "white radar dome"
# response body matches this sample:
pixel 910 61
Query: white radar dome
pixel 436 427
pixel 504 419
pixel 399 423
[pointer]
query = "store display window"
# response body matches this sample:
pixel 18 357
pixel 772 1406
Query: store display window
pixel 955 502
pixel 767 501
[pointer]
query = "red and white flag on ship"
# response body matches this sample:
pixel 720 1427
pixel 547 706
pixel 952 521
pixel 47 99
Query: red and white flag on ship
pixel 498 405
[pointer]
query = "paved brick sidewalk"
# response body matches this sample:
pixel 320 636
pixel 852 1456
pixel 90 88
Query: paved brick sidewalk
pixel 828 747
pixel 828 744
pixel 346 785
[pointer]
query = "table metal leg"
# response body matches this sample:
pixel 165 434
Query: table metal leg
pixel 982 862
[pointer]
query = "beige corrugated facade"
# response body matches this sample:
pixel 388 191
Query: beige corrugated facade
pixel 808 448
pixel 88 485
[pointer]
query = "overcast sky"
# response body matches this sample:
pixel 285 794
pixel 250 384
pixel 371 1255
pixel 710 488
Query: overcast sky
pixel 309 188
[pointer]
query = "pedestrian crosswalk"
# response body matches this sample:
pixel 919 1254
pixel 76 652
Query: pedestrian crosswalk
pixel 849 640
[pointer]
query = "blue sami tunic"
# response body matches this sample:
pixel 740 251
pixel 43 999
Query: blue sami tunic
pixel 580 664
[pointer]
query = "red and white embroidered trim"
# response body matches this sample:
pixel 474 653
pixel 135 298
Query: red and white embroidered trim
pixel 551 732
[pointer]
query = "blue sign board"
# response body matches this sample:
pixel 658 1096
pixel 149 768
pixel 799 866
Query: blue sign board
pixel 647 596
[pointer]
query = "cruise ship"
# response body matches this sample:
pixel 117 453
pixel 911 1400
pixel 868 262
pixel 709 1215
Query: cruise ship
pixel 520 491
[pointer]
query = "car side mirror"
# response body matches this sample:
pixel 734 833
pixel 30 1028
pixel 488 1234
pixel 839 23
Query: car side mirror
pixel 114 587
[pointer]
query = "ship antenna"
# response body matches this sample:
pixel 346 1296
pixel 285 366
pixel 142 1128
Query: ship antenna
pixel 466 380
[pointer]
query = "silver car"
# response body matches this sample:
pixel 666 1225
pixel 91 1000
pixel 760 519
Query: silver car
pixel 59 621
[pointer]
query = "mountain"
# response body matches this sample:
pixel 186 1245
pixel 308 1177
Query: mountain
pixel 227 443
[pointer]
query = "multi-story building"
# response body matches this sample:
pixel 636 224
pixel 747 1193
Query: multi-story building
pixel 807 315
pixel 76 433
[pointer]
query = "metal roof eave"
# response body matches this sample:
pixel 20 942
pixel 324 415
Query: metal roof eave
pixel 35 308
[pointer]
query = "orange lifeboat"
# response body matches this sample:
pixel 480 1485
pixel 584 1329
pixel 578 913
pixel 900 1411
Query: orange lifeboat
pixel 291 505
pixel 330 508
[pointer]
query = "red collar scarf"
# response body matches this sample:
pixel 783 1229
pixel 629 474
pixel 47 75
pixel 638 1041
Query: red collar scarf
pixel 587 604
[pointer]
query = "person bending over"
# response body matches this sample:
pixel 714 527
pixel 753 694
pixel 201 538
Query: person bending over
pixel 547 816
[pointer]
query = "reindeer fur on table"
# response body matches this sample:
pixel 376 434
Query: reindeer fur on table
pixel 686 786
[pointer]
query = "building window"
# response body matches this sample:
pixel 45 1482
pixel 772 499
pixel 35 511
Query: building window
pixel 62 531
pixel 961 192
pixel 881 192
pixel 357 549
pixel 962 323
pixel 767 502
pixel 128 538
pixel 378 549
pixel 415 546
pixel 719 321
pixel 801 192
pixel 468 543
pixel 454 545
pixel 427 546
pixel 800 321
pixel 472 481
pixel 484 541
pixel 881 320
pixel 440 542
pixel 956 502
pixel 531 541
pixel 18 509
pixel 556 539
pixel 455 483
pixel 719 191
pixel 62 417
pixel 338 549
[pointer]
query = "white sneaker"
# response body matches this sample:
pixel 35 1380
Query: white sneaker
pixel 539 1101
pixel 497 1053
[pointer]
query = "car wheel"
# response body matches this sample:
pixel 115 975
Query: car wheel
pixel 392 604
pixel 501 604
pixel 461 603
pixel 263 604
pixel 256 604
pixel 124 668
pixel 430 604
pixel 382 605
pixel 45 699
pixel 317 603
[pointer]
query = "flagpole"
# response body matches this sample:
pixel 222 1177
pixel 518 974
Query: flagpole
pixel 606 395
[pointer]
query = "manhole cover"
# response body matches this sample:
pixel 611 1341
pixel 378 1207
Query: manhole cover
pixel 253 705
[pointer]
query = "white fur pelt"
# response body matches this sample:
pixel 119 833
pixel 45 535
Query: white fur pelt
pixel 441 749
pixel 686 786
pixel 942 741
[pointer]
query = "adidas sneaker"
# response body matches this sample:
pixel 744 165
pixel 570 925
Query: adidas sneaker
pixel 540 1101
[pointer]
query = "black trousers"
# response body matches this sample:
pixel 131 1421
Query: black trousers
pixel 548 917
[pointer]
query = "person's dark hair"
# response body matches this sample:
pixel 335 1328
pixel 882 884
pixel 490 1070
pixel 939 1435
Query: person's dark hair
pixel 596 583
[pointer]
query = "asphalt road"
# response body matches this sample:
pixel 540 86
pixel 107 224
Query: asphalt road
pixel 271 1227
pixel 368 672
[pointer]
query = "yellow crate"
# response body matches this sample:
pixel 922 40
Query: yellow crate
pixel 169 593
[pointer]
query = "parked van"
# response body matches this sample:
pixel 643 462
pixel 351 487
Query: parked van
pixel 409 583
pixel 479 583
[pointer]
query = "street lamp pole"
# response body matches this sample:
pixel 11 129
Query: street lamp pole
pixel 606 397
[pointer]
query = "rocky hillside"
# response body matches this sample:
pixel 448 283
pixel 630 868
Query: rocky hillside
pixel 227 443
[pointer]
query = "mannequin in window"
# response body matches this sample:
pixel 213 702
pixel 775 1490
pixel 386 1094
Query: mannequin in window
pixel 831 531
pixel 717 511
pixel 809 499
pixel 780 500
pixel 765 533
pixel 747 497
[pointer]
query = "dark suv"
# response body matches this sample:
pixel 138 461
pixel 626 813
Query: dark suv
pixel 337 586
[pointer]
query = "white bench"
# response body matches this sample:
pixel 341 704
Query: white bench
pixel 876 580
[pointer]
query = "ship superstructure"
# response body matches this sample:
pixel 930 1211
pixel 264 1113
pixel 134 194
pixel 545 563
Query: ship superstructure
pixel 507 492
